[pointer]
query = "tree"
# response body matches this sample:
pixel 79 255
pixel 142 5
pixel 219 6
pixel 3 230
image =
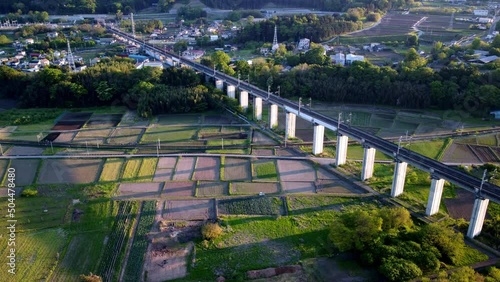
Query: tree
pixel 250 19
pixel 90 278
pixel 355 230
pixel 211 231
pixel 395 218
pixel 4 40
pixel 104 92
pixel 373 17
pixel 413 60
pixel 396 269
pixel 412 40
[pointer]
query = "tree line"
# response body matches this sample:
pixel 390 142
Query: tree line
pixel 326 5
pixel 388 240
pixel 112 82
pixel 82 6
pixel 292 28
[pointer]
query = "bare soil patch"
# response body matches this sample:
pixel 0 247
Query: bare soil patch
pixel 306 135
pixel 25 151
pixel 166 260
pixel 125 136
pixel 322 173
pixel 55 171
pixel 178 189
pixel 211 189
pixel 293 170
pixel 459 153
pixel 184 168
pixel 237 169
pixel 131 118
pixel 188 210
pixel 26 169
pixel 207 168
pixel 220 120
pixel 289 152
pixel 259 138
pixel 263 152
pixel 167 162
pixel 485 153
pixel 163 174
pixel 139 190
pixel 335 187
pixel 298 187
pixel 65 137
pixel 461 206
pixel 252 188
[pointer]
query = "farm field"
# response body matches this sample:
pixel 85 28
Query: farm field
pixel 27 168
pixel 112 169
pixel 179 119
pixel 139 190
pixel 293 170
pixel 79 258
pixel 264 170
pixel 24 151
pixel 40 250
pixel 172 189
pixel 184 168
pixel 132 169
pixel 33 214
pixel 297 204
pixel 459 153
pixel 237 169
pixel 147 170
pixel 169 134
pixel 125 136
pixel 165 169
pixel 207 168
pixel 188 210
pixel 54 171
pixel 133 270
pixel 249 188
pixel 298 187
pixel 211 189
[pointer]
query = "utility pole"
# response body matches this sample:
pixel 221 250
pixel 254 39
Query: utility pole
pixel 300 102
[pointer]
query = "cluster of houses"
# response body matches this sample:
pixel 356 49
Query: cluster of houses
pixel 214 31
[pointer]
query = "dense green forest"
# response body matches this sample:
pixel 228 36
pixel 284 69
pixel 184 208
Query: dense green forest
pixel 81 6
pixel 112 82
pixel 292 28
pixel 327 5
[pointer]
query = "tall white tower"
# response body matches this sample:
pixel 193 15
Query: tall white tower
pixel 275 39
pixel 71 60
pixel 133 24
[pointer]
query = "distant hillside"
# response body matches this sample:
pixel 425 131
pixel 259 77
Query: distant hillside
pixel 78 6
pixel 327 5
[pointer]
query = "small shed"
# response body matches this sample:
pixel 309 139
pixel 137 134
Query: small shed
pixel 496 114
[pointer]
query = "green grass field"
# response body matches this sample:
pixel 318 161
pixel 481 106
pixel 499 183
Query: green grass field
pixel 265 171
pixel 170 134
pixel 112 169
pixel 431 149
pixel 37 254
pixel 260 242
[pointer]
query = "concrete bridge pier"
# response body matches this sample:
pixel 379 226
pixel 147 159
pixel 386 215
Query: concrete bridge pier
pixel 257 108
pixel 434 195
pixel 290 125
pixel 319 136
pixel 219 84
pixel 273 116
pixel 368 163
pixel 342 142
pixel 231 91
pixel 477 218
pixel 244 100
pixel 398 181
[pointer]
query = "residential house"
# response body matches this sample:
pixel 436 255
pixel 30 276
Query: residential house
pixel 53 34
pixel 132 49
pixel 304 44
pixel 29 41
